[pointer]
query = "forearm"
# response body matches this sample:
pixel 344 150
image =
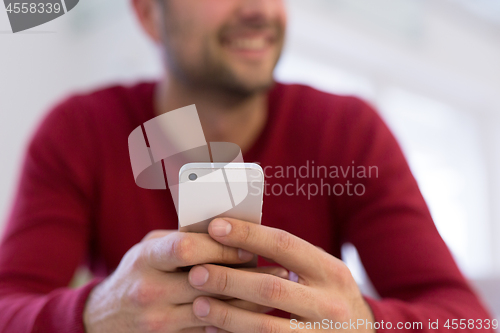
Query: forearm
pixel 438 311
pixel 58 311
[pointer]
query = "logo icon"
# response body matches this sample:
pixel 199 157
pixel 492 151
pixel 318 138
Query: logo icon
pixel 163 145
pixel 26 14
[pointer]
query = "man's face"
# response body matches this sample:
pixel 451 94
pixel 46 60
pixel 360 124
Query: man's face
pixel 224 44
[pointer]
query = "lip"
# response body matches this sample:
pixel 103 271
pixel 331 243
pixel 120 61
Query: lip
pixel 249 45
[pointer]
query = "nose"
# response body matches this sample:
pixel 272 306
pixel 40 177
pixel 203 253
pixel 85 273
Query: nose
pixel 256 10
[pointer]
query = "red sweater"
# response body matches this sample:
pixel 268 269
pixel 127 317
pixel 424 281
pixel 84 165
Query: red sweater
pixel 77 202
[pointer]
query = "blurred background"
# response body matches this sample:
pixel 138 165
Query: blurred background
pixel 431 68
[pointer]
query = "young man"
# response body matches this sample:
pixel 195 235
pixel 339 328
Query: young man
pixel 77 200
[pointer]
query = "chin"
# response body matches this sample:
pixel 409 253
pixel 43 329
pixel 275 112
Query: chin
pixel 251 83
pixel 236 79
pixel 248 88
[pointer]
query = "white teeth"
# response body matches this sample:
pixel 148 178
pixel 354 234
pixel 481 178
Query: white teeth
pixel 249 43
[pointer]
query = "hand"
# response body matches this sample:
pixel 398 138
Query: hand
pixel 148 292
pixel 325 288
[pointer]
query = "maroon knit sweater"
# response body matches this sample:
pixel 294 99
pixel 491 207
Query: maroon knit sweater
pixel 77 203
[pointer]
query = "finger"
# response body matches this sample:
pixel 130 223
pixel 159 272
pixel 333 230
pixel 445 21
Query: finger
pixel 180 249
pixel 254 307
pixel 273 270
pixel 320 248
pixel 185 293
pixel 177 318
pixel 174 288
pixel 206 329
pixel 263 289
pixel 284 248
pixel 184 317
pixel 156 234
pixel 196 330
pixel 236 320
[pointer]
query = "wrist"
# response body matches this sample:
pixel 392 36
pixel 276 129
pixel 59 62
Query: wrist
pixel 91 306
pixel 366 313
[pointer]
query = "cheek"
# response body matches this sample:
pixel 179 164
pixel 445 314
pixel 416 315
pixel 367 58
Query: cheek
pixel 202 15
pixel 217 11
pixel 280 13
pixel 196 22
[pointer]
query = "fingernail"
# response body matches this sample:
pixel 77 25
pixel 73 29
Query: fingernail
pixel 201 307
pixel 221 227
pixel 283 273
pixel 211 329
pixel 244 255
pixel 293 277
pixel 198 276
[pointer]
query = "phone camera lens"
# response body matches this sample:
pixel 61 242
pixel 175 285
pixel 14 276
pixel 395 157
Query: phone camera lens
pixel 193 177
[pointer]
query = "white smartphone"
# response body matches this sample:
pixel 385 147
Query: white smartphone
pixel 210 190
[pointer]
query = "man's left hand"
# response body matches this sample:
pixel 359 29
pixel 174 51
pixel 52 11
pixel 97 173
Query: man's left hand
pixel 325 287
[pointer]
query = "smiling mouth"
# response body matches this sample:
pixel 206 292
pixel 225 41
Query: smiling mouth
pixel 255 44
pixel 249 44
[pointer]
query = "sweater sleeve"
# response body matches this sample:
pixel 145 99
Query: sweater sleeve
pixel 390 225
pixel 48 229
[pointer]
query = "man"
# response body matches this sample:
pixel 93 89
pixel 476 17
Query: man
pixel 77 200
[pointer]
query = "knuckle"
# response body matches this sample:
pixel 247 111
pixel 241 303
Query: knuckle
pixel 268 326
pixel 246 232
pixel 305 294
pixel 222 282
pixel 153 234
pixel 333 309
pixel 154 252
pixel 271 289
pixel 344 275
pixel 151 323
pixel 182 249
pixel 136 257
pixel 283 242
pixel 224 254
pixel 150 254
pixel 142 294
pixel 223 318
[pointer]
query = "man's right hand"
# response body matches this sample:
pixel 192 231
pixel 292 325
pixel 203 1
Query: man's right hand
pixel 149 293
